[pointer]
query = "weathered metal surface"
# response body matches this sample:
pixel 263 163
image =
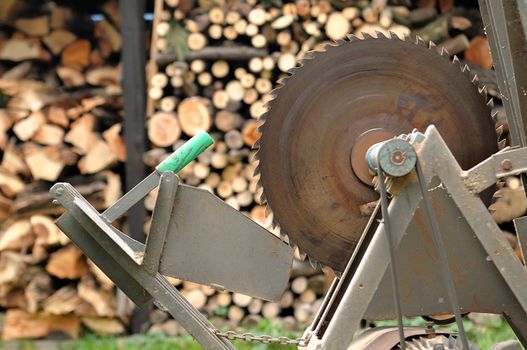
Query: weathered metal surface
pixel 488 275
pixel 211 243
pixel 326 105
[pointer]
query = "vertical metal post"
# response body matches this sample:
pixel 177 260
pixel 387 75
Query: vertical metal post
pixel 134 93
pixel 506 36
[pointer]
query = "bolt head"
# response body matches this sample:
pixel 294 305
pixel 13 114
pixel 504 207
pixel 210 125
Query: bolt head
pixel 398 157
pixel 506 164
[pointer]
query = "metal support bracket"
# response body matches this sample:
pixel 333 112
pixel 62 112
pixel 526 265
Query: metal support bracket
pixel 488 275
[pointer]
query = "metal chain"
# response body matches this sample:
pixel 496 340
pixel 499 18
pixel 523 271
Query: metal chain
pixel 263 339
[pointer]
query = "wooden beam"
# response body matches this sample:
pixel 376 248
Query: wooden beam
pixel 134 93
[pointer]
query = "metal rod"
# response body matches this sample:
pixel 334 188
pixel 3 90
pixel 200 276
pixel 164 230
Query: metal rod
pixel 443 259
pixel 395 281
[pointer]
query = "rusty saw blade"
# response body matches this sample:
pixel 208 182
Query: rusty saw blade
pixel 337 104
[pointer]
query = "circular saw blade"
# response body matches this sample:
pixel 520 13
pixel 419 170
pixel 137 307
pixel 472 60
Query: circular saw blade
pixel 321 111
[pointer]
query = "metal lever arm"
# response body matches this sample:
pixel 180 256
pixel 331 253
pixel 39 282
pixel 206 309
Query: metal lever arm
pixel 175 162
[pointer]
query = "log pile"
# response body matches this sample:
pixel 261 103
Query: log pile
pixel 213 66
pixel 60 113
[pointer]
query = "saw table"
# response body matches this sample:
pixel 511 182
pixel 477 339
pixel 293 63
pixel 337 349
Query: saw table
pixel 400 127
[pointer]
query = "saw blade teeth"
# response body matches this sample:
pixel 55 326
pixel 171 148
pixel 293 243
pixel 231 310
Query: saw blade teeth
pixel 256 145
pixel 351 37
pixel 255 157
pixel 419 40
pixel 309 55
pixel 262 199
pixel 282 80
pixel 431 44
pixel 274 224
pixel 465 68
pixel 475 79
pixel 380 35
pixel 293 70
pixel 494 115
pixel 394 36
pixel 502 144
pixel 300 255
pixel 339 42
pixel 456 60
pixel 490 103
pixel 256 172
pixel 325 47
pixel 314 264
pixel 268 211
pixel 263 117
pixel 367 36
pixel 499 131
pixel 483 90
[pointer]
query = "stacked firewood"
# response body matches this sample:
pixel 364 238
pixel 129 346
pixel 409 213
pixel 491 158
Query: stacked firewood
pixel 60 120
pixel 213 66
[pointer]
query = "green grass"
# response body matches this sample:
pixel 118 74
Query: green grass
pixel 161 342
pixel 485 333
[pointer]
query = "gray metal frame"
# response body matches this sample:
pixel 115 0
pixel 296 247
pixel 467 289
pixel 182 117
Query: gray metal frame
pixel 506 26
pixel 489 277
pixel 139 269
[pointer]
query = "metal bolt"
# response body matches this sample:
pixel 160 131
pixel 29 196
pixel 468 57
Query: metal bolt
pixel 439 347
pixel 59 191
pixel 397 157
pixel 430 328
pixel 506 164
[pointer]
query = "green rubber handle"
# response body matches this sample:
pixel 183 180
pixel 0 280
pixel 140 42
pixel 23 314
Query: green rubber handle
pixel 186 153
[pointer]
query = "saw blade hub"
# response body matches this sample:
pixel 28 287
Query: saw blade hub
pixel 360 148
pixel 396 157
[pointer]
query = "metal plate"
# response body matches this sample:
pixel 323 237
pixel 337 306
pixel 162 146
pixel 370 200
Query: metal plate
pixel 209 242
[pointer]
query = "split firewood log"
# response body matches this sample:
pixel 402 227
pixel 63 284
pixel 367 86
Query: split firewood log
pixel 67 263
pixel 19 324
pixel 17 236
pixel 77 54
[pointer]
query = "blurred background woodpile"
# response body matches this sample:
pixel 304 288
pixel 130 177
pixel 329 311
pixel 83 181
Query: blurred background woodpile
pixel 213 66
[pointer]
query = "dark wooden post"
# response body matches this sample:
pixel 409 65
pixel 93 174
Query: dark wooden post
pixel 134 92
